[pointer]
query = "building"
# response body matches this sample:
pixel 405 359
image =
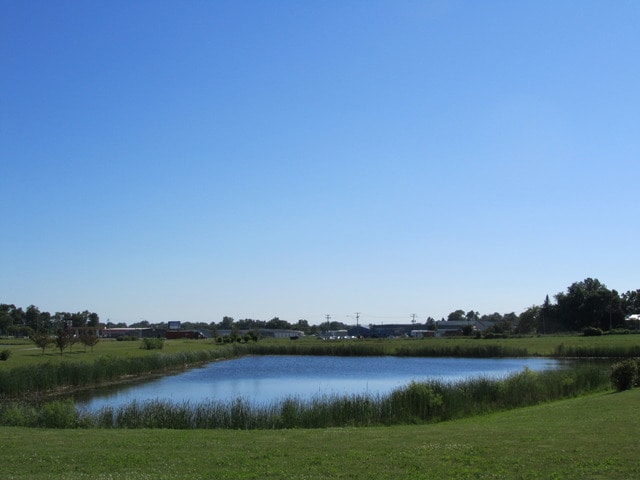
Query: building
pixel 392 330
pixel 423 333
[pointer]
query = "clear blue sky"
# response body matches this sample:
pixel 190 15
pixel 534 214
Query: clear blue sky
pixel 187 160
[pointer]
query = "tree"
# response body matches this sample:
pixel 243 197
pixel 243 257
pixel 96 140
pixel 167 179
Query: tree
pixel 226 323
pixel 93 320
pixel 6 320
pixel 456 316
pixel 510 320
pixel 276 323
pixel 431 324
pixel 302 325
pixel 42 340
pixel 63 338
pixel 528 320
pixel 631 302
pixel 248 324
pixel 333 325
pixel 18 316
pixel 140 324
pixel 546 314
pixel 31 317
pixel 589 303
pixel 89 339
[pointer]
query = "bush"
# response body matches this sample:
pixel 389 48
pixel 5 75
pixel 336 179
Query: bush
pixel 624 375
pixel 592 332
pixel 4 355
pixel 126 338
pixel 58 414
pixel 152 343
pixel 494 335
pixel 416 402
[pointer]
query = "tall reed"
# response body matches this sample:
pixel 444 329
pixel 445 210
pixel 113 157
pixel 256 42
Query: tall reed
pixel 49 376
pixel 417 402
pixel 596 351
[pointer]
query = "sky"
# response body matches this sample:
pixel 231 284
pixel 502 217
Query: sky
pixel 189 160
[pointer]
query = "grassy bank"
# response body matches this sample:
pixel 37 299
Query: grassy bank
pixel 562 346
pixel 91 370
pixel 30 372
pixel 587 437
pixel 418 402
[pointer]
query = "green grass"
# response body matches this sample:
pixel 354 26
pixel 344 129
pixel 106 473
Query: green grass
pixel 24 352
pixel 416 403
pixel 551 345
pixel 592 437
pixel 29 371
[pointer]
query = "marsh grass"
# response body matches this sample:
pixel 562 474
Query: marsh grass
pixel 588 437
pixel 416 403
pixel 49 376
pixel 55 373
pixel 598 351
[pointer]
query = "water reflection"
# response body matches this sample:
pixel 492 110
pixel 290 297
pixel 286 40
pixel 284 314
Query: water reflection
pixel 265 379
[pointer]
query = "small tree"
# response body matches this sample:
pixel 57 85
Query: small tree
pixel 624 375
pixel 89 339
pixel 42 340
pixel 63 339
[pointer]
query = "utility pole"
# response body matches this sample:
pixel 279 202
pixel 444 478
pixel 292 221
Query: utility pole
pixel 357 317
pixel 413 318
pixel 326 332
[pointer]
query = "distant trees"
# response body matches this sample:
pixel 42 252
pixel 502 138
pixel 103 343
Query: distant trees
pixel 332 326
pixel 16 321
pixel 528 320
pixel 585 304
pixel 631 302
pixel 456 316
pixel 7 317
pixel 588 303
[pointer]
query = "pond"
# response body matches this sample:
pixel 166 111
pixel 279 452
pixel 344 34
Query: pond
pixel 266 379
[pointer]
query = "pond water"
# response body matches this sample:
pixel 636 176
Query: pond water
pixel 266 379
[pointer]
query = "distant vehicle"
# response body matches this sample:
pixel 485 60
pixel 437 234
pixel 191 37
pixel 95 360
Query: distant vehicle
pixel 174 334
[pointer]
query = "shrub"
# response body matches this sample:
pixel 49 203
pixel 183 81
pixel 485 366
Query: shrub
pixel 494 335
pixel 152 343
pixel 417 401
pixel 592 332
pixel 58 414
pixel 14 415
pixel 4 355
pixel 126 338
pixel 619 331
pixel 624 375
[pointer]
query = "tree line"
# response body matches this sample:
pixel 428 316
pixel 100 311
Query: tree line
pixel 585 304
pixel 18 322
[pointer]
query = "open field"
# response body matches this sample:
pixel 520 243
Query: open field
pixel 23 352
pixel 592 437
pixel 28 371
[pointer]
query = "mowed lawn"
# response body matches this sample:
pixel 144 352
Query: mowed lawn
pixel 24 352
pixel 591 437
